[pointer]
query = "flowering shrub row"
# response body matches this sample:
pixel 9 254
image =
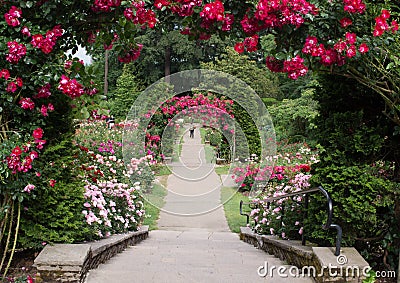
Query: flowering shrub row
pixel 112 190
pixel 113 205
pixel 290 173
pixel 286 166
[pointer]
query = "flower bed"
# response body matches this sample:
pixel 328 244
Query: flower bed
pixel 289 173
pixel 113 204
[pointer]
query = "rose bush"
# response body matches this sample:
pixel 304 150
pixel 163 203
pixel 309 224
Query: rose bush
pixel 113 204
pixel 290 173
pixel 292 159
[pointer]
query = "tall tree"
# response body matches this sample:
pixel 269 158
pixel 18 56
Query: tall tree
pixel 264 82
pixel 127 90
pixel 169 52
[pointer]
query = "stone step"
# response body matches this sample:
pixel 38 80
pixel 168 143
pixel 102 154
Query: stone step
pixel 190 256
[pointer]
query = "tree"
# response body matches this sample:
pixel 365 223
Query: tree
pixel 170 52
pixel 126 92
pixel 264 82
pixel 294 119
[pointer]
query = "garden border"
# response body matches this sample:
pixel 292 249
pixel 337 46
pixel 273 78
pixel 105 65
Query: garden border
pixel 71 262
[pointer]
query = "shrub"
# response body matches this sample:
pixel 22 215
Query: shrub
pixel 359 168
pixel 112 203
pixel 54 214
pixel 291 159
pixel 363 206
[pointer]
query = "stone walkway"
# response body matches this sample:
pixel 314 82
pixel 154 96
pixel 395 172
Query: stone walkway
pixel 194 243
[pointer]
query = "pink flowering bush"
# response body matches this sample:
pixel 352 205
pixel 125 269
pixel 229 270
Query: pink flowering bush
pixel 291 159
pixel 113 203
pixel 290 173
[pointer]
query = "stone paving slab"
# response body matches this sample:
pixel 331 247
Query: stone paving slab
pixel 176 256
pixel 63 254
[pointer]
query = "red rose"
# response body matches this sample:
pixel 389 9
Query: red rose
pixel 38 133
pixel 16 151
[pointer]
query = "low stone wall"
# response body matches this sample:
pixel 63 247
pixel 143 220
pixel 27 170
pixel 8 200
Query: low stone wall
pixel 71 262
pixel 349 266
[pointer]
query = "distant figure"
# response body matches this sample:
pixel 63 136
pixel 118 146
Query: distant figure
pixel 110 121
pixel 191 132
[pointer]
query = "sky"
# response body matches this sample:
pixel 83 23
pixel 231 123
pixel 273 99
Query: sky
pixel 81 54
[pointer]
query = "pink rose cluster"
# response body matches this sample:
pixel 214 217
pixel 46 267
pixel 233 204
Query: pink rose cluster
pixel 183 8
pixel 46 43
pixel 16 162
pixel 249 44
pixel 354 6
pixel 15 51
pixel 131 55
pixel 13 15
pixel 277 13
pixel 214 12
pixel 43 92
pixel 70 87
pixel 105 5
pixel 213 17
pixel 294 67
pixel 138 14
pixel 381 24
pixel 344 48
pixel 13 84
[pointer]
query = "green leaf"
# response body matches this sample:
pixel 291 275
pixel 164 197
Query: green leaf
pixel 85 113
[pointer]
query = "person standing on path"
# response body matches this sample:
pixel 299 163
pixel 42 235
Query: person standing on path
pixel 191 132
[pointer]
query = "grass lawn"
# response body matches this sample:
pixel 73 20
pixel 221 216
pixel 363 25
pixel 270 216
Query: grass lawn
pixel 153 201
pixel 161 170
pixel 210 153
pixel 222 170
pixel 202 134
pixel 231 199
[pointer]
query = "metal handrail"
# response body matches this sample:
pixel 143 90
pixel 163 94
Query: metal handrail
pixel 244 214
pixel 325 226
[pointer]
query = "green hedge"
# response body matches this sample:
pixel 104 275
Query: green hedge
pixel 55 214
pixel 359 168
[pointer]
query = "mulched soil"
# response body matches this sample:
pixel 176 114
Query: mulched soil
pixel 21 266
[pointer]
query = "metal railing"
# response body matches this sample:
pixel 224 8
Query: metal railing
pixel 329 212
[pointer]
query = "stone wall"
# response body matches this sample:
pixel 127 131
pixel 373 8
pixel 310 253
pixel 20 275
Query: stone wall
pixel 71 262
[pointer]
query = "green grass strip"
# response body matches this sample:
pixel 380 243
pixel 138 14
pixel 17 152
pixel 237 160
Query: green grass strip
pixel 231 200
pixel 153 202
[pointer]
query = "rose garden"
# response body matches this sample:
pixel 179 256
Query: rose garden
pixel 326 73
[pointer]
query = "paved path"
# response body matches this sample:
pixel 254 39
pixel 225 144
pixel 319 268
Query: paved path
pixel 194 189
pixel 190 248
